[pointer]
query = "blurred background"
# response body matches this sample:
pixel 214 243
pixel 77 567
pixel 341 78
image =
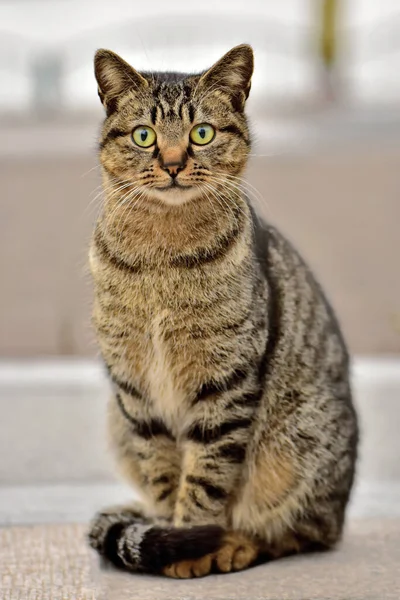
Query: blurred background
pixel 325 113
pixel 325 167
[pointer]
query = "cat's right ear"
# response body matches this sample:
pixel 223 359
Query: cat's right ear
pixel 232 74
pixel 115 77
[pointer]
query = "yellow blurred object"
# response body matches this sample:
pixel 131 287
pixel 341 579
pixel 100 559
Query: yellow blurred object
pixel 327 46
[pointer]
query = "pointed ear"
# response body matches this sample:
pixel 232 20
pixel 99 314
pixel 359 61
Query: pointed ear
pixel 114 77
pixel 232 74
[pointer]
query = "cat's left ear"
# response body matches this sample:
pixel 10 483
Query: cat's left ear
pixel 115 77
pixel 232 74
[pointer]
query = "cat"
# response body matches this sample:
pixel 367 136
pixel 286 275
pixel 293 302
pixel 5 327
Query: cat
pixel 231 409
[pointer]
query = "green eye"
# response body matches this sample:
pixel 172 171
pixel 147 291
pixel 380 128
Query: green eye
pixel 202 134
pixel 144 136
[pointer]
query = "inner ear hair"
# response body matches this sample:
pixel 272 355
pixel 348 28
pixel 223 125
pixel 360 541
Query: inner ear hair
pixel 232 73
pixel 115 77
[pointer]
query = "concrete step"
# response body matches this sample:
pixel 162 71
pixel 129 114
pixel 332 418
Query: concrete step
pixel 54 464
pixel 78 502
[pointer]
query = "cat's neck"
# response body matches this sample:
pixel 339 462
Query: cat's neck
pixel 154 232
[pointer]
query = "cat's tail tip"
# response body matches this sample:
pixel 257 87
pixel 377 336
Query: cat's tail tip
pixel 140 546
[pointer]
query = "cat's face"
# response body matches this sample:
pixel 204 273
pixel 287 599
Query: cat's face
pixel 173 137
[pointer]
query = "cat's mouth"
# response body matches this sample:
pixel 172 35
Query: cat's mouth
pixel 174 185
pixel 175 193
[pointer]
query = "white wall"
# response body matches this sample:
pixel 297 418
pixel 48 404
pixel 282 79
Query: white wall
pixel 189 36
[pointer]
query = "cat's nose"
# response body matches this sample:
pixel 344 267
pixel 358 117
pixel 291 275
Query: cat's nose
pixel 173 168
pixel 173 162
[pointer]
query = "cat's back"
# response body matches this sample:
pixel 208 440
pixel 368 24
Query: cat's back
pixel 307 343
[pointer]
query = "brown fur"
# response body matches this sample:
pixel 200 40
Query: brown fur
pixel 231 405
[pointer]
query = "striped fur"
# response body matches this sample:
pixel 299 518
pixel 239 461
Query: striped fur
pixel 231 407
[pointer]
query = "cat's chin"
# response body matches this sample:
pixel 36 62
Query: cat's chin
pixel 175 196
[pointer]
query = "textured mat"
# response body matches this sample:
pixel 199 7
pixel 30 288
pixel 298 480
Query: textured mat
pixel 49 562
pixel 52 562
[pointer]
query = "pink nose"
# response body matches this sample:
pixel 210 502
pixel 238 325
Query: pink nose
pixel 173 160
pixel 173 168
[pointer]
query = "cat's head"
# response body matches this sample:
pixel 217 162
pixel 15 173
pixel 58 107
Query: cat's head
pixel 172 136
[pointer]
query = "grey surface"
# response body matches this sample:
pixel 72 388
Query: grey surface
pixel 54 562
pixel 78 502
pixel 55 466
pixel 365 567
pixel 54 470
pixel 53 416
pixel 56 436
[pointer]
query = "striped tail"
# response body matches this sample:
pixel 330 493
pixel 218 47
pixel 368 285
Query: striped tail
pixel 138 545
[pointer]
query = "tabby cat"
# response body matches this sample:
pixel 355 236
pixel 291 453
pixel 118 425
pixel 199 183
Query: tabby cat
pixel 231 408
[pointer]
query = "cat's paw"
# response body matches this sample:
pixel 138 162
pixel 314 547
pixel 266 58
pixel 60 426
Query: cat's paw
pixel 186 569
pixel 237 552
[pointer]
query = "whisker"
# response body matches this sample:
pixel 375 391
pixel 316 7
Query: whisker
pixel 211 190
pixel 229 187
pixel 90 170
pixel 222 200
pixel 246 187
pixel 124 205
pixel 118 204
pixel 103 189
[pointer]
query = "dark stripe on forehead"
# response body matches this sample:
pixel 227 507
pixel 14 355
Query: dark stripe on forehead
pixel 153 114
pixel 156 91
pixel 187 90
pixel 191 112
pixel 160 106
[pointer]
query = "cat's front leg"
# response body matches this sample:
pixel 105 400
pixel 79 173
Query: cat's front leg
pixel 214 452
pixel 146 453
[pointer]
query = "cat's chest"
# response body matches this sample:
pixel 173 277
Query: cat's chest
pixel 165 342
pixel 168 399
